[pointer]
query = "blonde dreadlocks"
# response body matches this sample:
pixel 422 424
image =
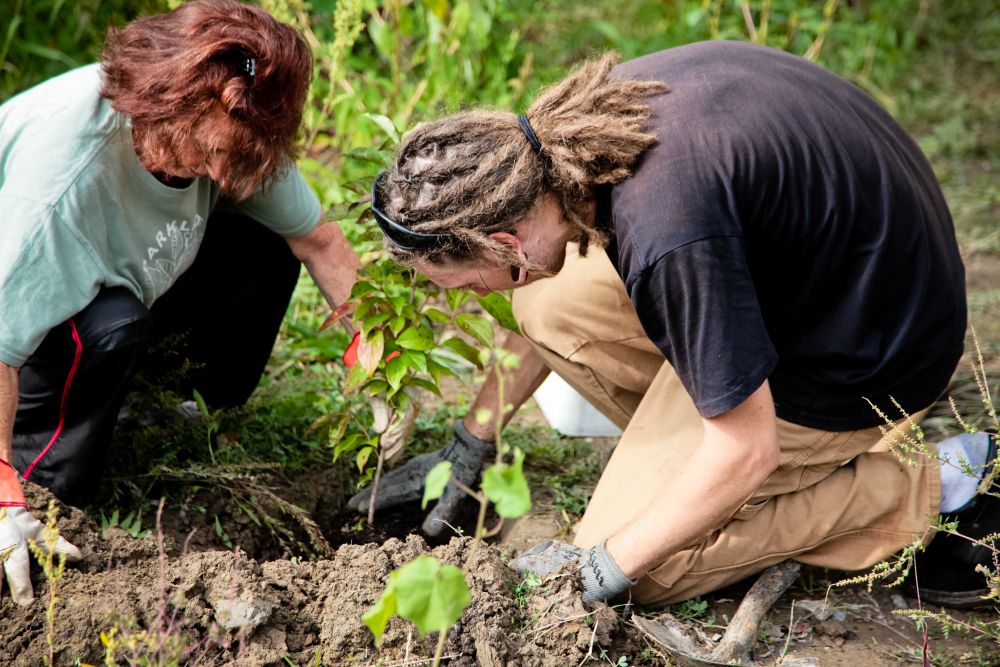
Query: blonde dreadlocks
pixel 475 173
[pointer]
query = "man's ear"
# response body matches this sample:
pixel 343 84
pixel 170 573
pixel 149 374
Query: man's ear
pixel 511 239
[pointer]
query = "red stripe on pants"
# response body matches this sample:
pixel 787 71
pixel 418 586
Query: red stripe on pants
pixel 65 399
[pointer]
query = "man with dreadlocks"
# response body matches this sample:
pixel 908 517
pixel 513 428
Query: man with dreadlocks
pixel 749 255
pixel 172 156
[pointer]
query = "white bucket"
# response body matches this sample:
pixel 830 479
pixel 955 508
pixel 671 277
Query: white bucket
pixel 570 413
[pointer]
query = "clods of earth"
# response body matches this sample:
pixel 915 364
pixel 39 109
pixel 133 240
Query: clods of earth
pixel 215 607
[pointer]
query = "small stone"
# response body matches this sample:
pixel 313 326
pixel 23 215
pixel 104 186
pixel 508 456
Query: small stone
pixel 235 614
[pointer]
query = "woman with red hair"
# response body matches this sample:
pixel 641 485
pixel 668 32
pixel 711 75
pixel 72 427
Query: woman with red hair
pixel 151 195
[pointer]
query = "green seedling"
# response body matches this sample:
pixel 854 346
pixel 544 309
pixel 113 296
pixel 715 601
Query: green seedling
pixel 131 524
pixel 437 480
pixel 505 485
pixel 424 591
pixel 430 595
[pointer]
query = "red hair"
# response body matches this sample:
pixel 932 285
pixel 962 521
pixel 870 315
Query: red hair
pixel 175 72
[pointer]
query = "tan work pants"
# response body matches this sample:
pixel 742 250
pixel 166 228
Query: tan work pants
pixel 838 499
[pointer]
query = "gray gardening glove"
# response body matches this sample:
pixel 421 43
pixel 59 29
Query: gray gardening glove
pixel 405 484
pixel 600 575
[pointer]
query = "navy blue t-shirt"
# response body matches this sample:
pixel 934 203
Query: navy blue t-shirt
pixel 785 228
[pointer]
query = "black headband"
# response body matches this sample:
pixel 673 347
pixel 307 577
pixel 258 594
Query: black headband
pixel 407 239
pixel 522 120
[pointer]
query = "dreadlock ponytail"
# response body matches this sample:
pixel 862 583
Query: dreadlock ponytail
pixel 591 128
pixel 479 172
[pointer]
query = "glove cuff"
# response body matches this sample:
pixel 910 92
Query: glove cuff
pixel 470 441
pixel 602 578
pixel 11 494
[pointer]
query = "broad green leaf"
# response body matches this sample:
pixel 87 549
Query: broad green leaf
pixel 380 613
pixel 368 154
pixel 476 326
pixel 430 594
pixel 437 316
pixel 435 482
pixel 464 350
pixel 396 325
pixel 381 35
pixel 338 431
pixel 456 297
pixel 395 371
pixel 363 309
pixel 425 385
pixel 415 360
pixel 356 377
pixel 498 306
pixel 200 402
pixel 347 444
pixel 376 387
pixel 362 458
pixel 385 123
pixel 416 339
pixel 439 371
pixel 397 303
pixel 506 486
pixel 370 322
pixel 362 288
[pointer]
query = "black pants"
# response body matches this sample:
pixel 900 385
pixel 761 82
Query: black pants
pixel 224 312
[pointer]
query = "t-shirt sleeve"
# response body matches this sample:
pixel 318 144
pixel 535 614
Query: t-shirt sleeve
pixel 286 206
pixel 698 304
pixel 47 275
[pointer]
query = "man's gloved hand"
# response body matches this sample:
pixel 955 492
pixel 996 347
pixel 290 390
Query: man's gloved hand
pixel 600 576
pixel 405 484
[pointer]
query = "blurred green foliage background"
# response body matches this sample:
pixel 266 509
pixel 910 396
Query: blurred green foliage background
pixel 933 63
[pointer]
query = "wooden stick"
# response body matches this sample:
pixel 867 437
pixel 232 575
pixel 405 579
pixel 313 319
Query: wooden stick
pixel 737 642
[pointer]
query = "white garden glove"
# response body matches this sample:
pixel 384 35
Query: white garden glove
pixel 17 527
pixel 600 576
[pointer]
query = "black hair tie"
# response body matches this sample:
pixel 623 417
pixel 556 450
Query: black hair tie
pixel 522 120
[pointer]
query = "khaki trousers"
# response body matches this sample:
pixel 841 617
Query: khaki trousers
pixel 838 499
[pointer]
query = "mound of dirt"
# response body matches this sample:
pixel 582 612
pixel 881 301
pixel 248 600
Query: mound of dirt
pixel 219 607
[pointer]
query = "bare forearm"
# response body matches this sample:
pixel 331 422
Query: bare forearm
pixel 330 260
pixel 8 408
pixel 735 457
pixel 518 386
pixel 690 505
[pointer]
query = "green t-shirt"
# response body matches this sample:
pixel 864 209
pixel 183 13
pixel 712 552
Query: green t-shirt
pixel 79 212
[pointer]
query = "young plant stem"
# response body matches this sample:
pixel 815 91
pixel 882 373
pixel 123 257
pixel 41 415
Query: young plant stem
pixel 498 424
pixel 52 566
pixel 439 651
pixel 375 481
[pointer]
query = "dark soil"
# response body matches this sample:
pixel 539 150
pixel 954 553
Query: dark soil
pixel 223 608
pixel 262 613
